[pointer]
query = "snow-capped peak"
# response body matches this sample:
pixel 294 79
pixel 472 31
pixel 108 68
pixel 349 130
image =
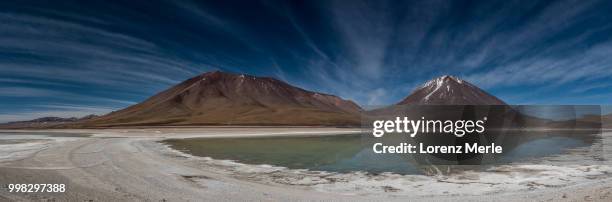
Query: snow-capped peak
pixel 440 81
pixel 435 84
pixel 449 89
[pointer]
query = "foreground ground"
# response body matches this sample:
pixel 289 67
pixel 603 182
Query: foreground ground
pixel 128 164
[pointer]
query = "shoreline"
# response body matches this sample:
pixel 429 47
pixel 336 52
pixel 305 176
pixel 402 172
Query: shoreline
pixel 201 132
pixel 90 164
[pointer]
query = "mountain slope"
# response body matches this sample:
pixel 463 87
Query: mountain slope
pixel 450 90
pixel 219 98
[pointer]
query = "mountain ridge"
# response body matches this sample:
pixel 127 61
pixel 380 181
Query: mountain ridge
pixel 42 122
pixel 221 98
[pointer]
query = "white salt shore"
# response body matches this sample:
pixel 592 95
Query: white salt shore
pixel 130 164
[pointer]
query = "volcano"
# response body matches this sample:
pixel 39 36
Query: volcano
pixel 450 90
pixel 221 98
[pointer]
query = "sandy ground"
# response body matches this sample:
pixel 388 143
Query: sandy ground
pixel 129 165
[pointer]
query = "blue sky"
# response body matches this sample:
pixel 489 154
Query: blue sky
pixel 64 58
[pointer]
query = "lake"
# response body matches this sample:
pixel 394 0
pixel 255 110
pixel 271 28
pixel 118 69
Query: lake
pixel 341 153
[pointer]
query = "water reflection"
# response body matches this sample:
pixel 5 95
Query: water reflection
pixel 345 153
pixel 542 147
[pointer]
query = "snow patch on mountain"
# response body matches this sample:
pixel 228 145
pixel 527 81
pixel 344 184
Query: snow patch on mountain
pixel 458 92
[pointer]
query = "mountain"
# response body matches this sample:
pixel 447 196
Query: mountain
pixel 220 98
pixel 607 121
pixel 450 90
pixel 45 122
pixel 604 119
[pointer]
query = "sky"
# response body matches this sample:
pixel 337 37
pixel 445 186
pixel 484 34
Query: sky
pixel 73 58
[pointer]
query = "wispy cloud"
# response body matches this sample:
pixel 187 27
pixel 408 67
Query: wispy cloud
pixel 373 52
pixel 496 45
pixel 366 28
pixel 74 52
pixel 27 92
pixel 61 56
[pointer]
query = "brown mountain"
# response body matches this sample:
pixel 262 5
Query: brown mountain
pixel 450 90
pixel 219 98
pixel 605 120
